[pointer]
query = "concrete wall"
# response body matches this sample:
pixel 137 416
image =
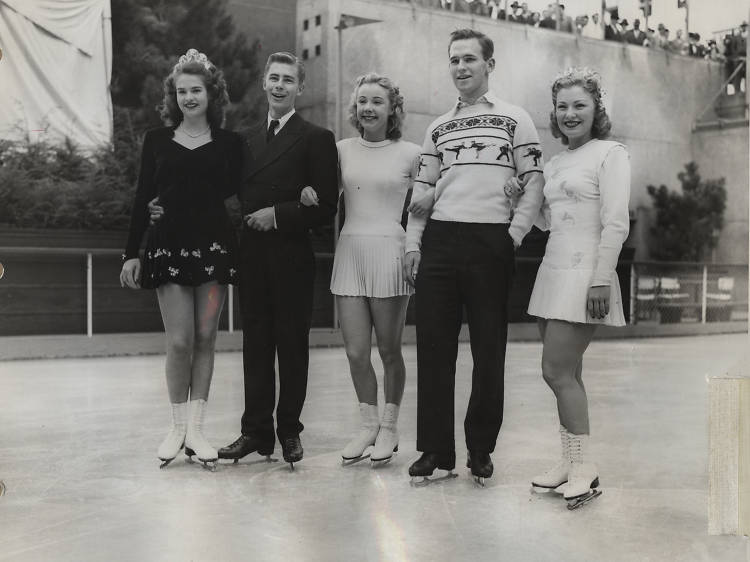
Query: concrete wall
pixel 653 96
pixel 719 153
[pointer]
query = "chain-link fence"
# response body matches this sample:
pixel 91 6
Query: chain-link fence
pixel 670 292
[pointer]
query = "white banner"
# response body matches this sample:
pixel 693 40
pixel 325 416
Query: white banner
pixel 55 71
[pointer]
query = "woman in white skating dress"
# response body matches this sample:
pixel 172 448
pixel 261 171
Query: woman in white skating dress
pixel 587 190
pixel 377 170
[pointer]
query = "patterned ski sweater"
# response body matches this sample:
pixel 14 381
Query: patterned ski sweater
pixel 468 155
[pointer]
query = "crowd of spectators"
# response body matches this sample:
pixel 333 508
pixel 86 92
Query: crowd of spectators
pixel 731 50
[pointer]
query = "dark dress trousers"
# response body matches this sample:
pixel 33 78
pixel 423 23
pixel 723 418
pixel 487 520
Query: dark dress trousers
pixel 277 269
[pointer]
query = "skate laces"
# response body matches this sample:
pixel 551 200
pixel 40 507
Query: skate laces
pixel 575 450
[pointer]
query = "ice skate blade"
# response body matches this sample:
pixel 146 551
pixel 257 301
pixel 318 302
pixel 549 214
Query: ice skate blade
pixel 385 460
pixel 575 503
pixel 353 460
pixel 479 481
pixel 208 464
pixel 265 459
pixel 421 481
pixel 165 462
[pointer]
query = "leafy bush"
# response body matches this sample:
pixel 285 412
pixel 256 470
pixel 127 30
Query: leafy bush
pixel 687 224
pixel 47 186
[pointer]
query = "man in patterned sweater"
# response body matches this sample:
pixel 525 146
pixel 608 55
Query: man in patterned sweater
pixel 463 254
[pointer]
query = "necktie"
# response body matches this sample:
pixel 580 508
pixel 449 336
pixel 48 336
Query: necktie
pixel 270 133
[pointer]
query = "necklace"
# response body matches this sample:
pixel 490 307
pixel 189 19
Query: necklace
pixel 184 131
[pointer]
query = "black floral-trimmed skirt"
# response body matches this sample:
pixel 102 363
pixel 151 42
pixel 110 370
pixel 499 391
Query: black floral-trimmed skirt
pixel 194 261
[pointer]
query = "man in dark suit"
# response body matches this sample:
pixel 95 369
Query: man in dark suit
pixel 612 32
pixel 635 36
pixel 277 265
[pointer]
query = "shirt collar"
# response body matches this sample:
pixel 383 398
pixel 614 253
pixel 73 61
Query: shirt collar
pixel 282 120
pixel 488 98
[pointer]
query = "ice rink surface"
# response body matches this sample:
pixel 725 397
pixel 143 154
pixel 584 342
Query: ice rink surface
pixel 78 440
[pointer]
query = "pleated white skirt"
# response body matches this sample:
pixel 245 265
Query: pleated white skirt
pixel 560 294
pixel 369 266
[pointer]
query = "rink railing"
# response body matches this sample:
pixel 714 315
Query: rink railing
pixel 53 280
pixel 53 273
pixel 674 292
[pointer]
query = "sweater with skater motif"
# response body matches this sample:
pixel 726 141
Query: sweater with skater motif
pixel 468 155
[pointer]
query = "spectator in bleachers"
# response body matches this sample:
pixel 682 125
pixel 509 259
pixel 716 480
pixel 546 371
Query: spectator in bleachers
pixel 589 27
pixel 565 22
pixel 662 37
pixel 635 36
pixel 652 39
pixel 695 49
pixel 678 44
pixel 736 52
pixel 496 12
pixel 514 14
pixel 536 19
pixel 547 21
pixel 581 22
pixel 713 52
pixel 612 31
pixel 526 15
pixel 595 25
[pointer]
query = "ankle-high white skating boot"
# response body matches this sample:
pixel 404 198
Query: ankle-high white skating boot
pixel 387 441
pixel 355 449
pixel 583 478
pixel 195 443
pixel 175 439
pixel 558 474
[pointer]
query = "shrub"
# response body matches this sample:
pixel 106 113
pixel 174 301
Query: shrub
pixel 46 186
pixel 687 224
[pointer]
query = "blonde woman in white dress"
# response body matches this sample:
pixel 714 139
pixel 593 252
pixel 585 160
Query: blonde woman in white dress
pixel 587 190
pixel 377 170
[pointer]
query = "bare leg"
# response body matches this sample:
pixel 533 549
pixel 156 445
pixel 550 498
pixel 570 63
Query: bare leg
pixel 356 328
pixel 209 301
pixel 177 311
pixel 564 345
pixel 542 324
pixel 388 316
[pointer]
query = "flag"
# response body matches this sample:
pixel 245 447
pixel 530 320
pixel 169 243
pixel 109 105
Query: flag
pixel 681 3
pixel 346 21
pixel 646 7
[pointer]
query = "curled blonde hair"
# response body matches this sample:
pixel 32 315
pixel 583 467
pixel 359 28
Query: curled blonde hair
pixel 591 82
pixel 396 117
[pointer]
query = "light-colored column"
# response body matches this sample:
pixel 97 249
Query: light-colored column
pixel 729 453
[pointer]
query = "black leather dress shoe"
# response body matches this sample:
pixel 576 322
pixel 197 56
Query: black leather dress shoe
pixel 292 449
pixel 244 445
pixel 480 464
pixel 428 462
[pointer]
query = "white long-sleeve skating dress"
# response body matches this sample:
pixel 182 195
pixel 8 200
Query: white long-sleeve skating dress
pixel 586 196
pixel 376 177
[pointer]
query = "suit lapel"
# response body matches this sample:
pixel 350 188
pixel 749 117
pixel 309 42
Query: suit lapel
pixel 267 153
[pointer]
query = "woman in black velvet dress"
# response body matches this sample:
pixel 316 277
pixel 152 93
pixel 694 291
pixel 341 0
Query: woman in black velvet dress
pixel 190 167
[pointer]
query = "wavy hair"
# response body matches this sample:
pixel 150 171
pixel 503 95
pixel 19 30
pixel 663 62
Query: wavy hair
pixel 487 45
pixel 286 58
pixel 216 87
pixel 591 82
pixel 396 100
